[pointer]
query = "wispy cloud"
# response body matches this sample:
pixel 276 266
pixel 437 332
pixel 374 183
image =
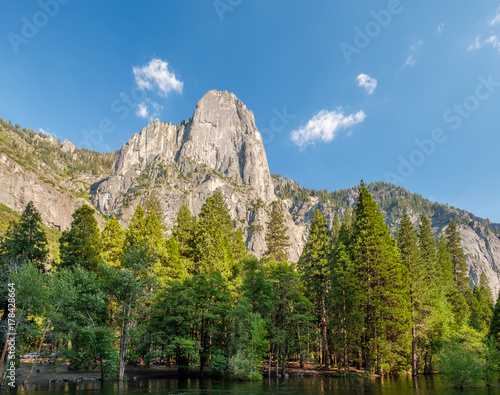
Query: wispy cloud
pixel 156 76
pixel 475 45
pixel 410 60
pixel 440 29
pixel 478 43
pixel 495 20
pixel 367 82
pixel 325 126
pixel 416 45
pixel 148 109
pixel 493 41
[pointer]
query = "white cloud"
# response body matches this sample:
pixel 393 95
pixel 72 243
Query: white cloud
pixel 495 20
pixel 493 41
pixel 478 43
pixel 156 76
pixel 410 61
pixel 416 45
pixel 440 29
pixel 324 126
pixel 475 45
pixel 367 82
pixel 142 111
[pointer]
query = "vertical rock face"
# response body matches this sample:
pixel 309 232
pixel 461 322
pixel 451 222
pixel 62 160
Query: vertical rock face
pixel 19 186
pixel 223 136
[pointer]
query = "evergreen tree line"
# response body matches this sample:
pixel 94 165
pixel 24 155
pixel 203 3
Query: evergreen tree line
pixel 357 299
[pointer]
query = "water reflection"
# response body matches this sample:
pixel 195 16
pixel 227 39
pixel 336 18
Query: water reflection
pixel 405 385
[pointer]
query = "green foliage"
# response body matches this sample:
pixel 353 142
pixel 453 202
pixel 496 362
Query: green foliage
pixel 241 367
pixel 152 204
pixel 26 240
pixel 94 347
pixel 82 244
pixel 459 366
pixel 184 232
pixel 277 241
pixel 490 361
pixel 136 232
pixel 458 261
pixel 113 238
pixel 249 343
pixel 384 283
pixel 494 330
pixel 481 306
pixel 314 267
pixel 218 244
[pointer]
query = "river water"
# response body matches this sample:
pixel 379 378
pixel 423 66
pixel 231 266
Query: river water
pixel 296 386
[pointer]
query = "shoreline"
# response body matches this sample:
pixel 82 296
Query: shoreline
pixel 60 374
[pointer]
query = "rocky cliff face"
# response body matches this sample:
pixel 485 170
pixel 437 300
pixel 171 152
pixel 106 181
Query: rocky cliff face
pixel 19 186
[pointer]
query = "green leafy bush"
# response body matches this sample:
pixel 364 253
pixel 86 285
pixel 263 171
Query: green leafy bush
pixel 460 366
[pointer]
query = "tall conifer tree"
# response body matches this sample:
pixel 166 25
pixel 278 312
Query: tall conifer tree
pixel 82 244
pixel 277 241
pixel 384 285
pixel 314 266
pixel 113 238
pixel 25 240
pixel 458 261
pixel 411 258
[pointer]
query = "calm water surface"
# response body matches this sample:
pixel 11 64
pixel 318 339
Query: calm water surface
pixel 299 386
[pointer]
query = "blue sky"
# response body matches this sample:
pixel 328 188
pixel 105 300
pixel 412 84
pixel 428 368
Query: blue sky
pixel 402 91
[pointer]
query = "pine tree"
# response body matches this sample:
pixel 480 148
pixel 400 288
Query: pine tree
pixel 481 305
pixel 334 233
pixel 314 266
pixel 136 232
pixel 216 239
pixel 428 250
pixel 82 244
pixel 445 269
pixel 152 204
pixel 447 283
pixel 184 231
pixel 412 259
pixel 277 241
pixel 176 267
pixel 459 263
pixel 26 240
pixel 384 283
pixel 154 234
pixel 345 300
pixel 495 321
pixel 113 238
